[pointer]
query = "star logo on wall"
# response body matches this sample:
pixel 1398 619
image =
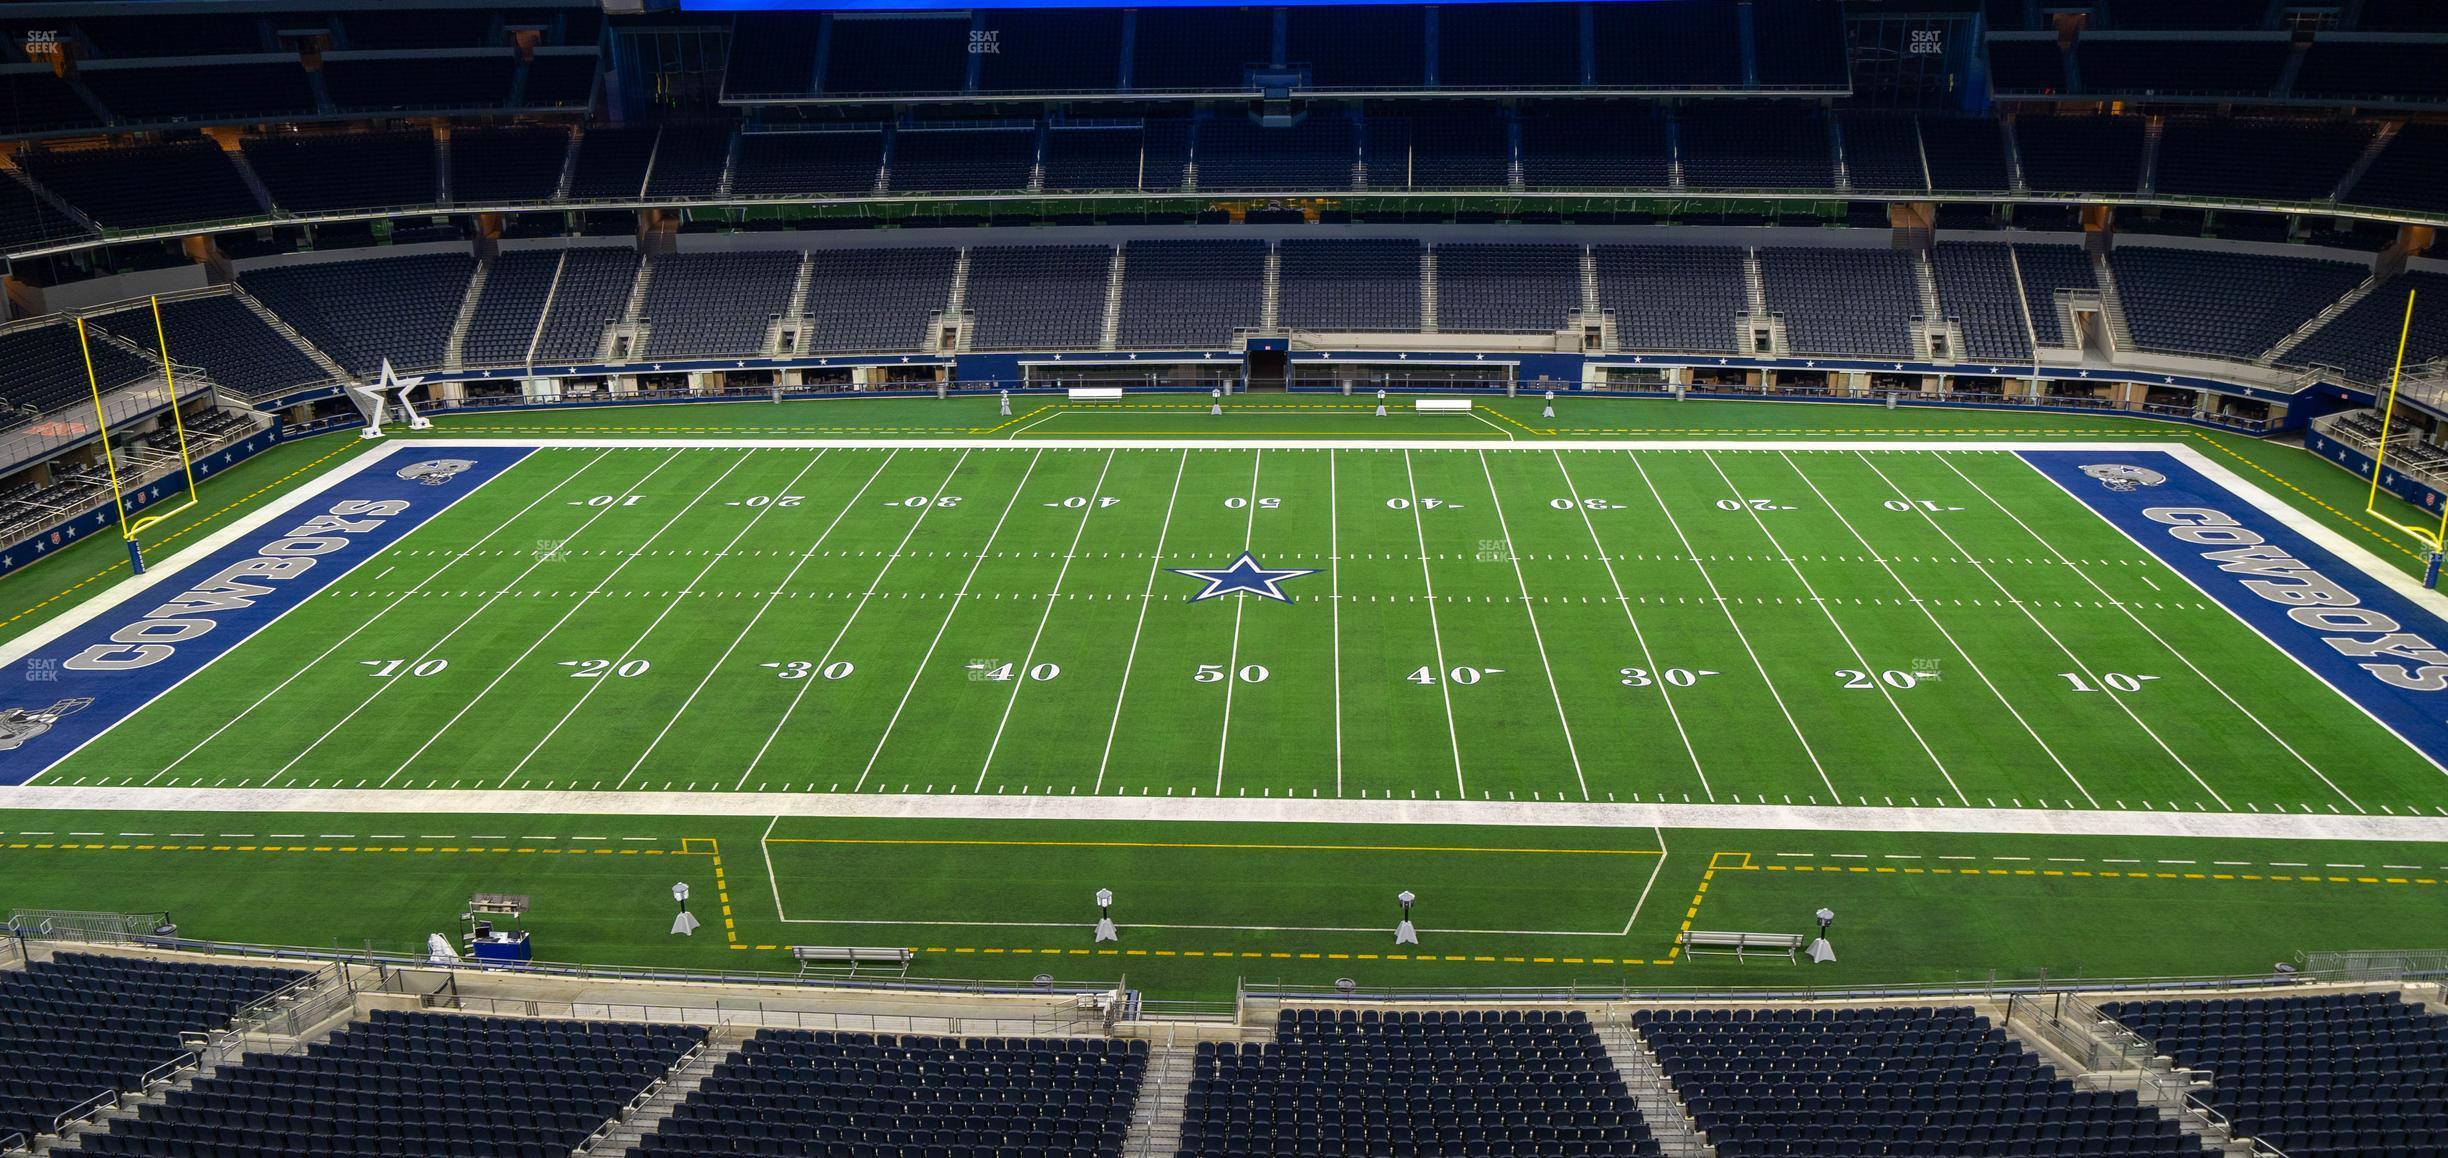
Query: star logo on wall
pixel 1244 575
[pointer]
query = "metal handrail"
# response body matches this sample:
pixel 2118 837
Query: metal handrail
pixel 644 1095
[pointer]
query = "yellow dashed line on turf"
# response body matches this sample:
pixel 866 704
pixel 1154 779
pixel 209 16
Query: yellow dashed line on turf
pixel 1208 844
pixel 2307 496
pixel 113 569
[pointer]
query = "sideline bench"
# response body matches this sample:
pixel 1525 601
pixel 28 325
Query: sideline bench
pixel 1697 942
pixel 853 956
pixel 1096 394
pixel 1441 405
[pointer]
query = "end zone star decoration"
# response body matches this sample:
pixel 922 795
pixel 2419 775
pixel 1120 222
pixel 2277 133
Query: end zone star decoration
pixel 1244 575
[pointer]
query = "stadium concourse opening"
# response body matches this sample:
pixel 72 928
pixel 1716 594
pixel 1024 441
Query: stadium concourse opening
pixel 699 578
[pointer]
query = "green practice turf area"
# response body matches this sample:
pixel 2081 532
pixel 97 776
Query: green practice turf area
pixel 1202 904
pixel 1838 626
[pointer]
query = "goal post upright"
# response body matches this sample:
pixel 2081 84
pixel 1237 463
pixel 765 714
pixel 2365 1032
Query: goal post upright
pixel 110 462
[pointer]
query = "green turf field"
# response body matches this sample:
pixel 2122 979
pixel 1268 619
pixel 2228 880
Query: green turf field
pixel 941 693
pixel 1740 626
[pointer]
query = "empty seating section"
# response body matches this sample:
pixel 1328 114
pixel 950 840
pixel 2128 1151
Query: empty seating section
pixel 1349 286
pixel 1188 49
pixel 2162 66
pixel 82 1025
pixel 508 310
pixel 2210 156
pixel 1509 46
pixel 2362 339
pixel 2229 305
pixel 1101 157
pixel 419 84
pixel 1378 47
pixel 33 102
pixel 1318 153
pixel 2185 15
pixel 716 303
pixel 1507 289
pixel 918 54
pixel 1584 146
pixel 688 160
pixel 612 164
pixel 219 333
pixel 2045 270
pixel 414 1083
pixel 42 369
pixel 595 285
pixel 772 54
pixel 1755 145
pixel 1683 42
pixel 2073 154
pixel 1042 51
pixel 2347 1075
pixel 361 312
pixel 1672 298
pixel 2411 172
pixel 801 163
pixel 1430 1083
pixel 1882 151
pixel 27 220
pixel 2348 69
pixel 1964 153
pixel 1836 1083
pixel 874 300
pixel 1190 295
pixel 2027 65
pixel 172 34
pixel 812 1092
pixel 1838 301
pixel 560 80
pixel 1799 43
pixel 1460 149
pixel 201 92
pixel 965 160
pixel 515 164
pixel 354 171
pixel 1038 296
pixel 146 186
pixel 1976 288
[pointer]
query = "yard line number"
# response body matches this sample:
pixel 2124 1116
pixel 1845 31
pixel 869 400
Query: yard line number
pixel 1465 676
pixel 1865 681
pixel 1213 673
pixel 2116 680
pixel 595 669
pixel 1681 677
pixel 799 669
pixel 386 668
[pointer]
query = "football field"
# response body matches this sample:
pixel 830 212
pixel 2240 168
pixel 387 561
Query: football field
pixel 1819 626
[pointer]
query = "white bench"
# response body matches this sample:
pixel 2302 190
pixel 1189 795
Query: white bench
pixel 1697 942
pixel 1096 394
pixel 1441 405
pixel 853 956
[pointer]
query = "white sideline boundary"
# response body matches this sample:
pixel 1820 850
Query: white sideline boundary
pixel 1116 808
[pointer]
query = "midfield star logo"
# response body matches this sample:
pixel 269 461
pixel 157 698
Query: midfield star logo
pixel 1244 575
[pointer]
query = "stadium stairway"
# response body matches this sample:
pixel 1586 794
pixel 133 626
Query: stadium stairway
pixel 284 329
pixel 2313 324
pixel 2112 307
pixel 1156 1115
pixel 2154 1081
pixel 452 358
pixel 1660 1105
pixel 619 1137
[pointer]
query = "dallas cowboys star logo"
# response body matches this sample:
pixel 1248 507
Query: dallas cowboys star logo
pixel 1244 575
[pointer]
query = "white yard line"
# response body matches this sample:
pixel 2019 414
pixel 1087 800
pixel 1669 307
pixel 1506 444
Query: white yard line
pixel 1637 906
pixel 1474 412
pixel 934 503
pixel 1029 658
pixel 772 881
pixel 1841 633
pixel 1334 600
pixel 1932 616
pixel 1232 654
pixel 677 599
pixel 1436 633
pixel 1522 581
pixel 369 621
pixel 1639 637
pixel 1148 595
pixel 2119 604
pixel 2340 826
pixel 983 554
pixel 1727 609
pixel 759 617
pixel 462 624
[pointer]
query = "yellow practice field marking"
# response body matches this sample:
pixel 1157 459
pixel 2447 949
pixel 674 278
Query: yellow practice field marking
pixel 1203 844
pixel 2309 497
pixel 113 569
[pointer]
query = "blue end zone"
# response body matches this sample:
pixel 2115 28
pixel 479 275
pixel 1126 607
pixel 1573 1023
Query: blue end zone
pixel 102 671
pixel 2373 644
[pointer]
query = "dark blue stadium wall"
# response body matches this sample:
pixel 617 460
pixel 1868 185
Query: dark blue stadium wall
pixel 2359 463
pixel 33 548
